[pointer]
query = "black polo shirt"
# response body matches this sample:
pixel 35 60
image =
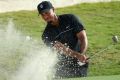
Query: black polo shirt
pixel 69 26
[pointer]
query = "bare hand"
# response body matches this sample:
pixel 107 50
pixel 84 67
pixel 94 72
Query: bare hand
pixel 59 46
pixel 83 58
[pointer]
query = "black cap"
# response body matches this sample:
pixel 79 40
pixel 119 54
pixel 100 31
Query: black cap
pixel 44 6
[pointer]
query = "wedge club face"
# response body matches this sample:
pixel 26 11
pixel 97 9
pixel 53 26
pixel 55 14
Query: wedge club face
pixel 115 39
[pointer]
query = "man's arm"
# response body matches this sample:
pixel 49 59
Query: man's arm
pixel 82 37
pixel 69 52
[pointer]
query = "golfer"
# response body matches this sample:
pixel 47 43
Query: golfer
pixel 67 34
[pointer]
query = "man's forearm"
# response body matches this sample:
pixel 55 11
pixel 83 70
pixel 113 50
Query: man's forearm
pixel 69 52
pixel 75 54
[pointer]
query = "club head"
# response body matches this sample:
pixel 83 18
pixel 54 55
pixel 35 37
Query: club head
pixel 115 39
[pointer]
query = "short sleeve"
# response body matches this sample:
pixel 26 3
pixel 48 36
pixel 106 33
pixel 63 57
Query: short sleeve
pixel 76 24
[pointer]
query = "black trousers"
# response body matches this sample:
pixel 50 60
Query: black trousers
pixel 68 71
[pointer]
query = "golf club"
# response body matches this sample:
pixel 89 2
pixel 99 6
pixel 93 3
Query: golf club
pixel 115 41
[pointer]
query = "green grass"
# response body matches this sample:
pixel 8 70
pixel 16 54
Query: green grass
pixel 102 21
pixel 112 77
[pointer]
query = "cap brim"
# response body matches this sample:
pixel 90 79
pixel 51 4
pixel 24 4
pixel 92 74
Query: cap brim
pixel 45 10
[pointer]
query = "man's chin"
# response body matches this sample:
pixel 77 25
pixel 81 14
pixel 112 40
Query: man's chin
pixel 50 22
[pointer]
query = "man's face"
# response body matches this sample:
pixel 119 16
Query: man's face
pixel 48 16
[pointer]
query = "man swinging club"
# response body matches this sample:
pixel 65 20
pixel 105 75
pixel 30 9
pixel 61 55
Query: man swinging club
pixel 68 35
